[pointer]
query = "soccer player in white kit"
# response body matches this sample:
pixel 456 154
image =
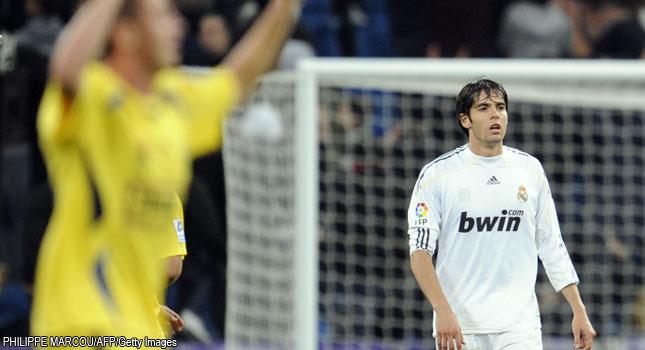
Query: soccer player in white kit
pixel 488 212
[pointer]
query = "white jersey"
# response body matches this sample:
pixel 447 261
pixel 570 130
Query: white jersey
pixel 492 217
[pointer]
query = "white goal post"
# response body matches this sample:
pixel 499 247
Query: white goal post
pixel 573 98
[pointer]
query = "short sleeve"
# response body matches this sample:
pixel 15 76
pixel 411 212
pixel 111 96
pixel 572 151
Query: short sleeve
pixel 209 98
pixel 424 213
pixel 60 116
pixel 173 239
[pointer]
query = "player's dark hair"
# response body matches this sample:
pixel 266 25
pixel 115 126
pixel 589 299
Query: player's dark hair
pixel 470 93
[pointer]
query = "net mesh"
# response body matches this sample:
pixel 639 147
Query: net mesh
pixel 375 136
pixel 260 216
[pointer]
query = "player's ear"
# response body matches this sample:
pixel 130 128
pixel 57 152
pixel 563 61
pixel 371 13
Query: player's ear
pixel 464 119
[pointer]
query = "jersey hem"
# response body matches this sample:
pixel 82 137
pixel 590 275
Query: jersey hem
pixel 495 331
pixel 480 331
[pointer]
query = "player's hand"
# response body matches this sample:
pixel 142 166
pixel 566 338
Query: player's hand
pixel 171 317
pixel 449 335
pixel 583 332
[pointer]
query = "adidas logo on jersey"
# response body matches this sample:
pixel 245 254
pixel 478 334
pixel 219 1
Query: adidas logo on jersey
pixel 508 222
pixel 493 181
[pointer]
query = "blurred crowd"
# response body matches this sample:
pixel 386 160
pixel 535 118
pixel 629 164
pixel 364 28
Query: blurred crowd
pixel 328 28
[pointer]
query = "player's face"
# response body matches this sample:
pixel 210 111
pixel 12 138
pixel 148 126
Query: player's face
pixel 487 120
pixel 162 31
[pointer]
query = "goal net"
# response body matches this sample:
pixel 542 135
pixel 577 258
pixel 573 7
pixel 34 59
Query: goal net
pixel 317 211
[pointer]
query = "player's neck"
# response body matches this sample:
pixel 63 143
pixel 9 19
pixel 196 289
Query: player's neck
pixel 485 149
pixel 133 70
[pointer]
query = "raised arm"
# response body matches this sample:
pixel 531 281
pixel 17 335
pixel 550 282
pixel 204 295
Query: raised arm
pixel 447 325
pixel 81 40
pixel 260 47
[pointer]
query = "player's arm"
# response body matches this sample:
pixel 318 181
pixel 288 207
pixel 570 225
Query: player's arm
pixel 174 322
pixel 424 220
pixel 173 251
pixel 81 41
pixel 260 47
pixel 583 332
pixel 171 320
pixel 174 267
pixel 447 325
pixel 558 266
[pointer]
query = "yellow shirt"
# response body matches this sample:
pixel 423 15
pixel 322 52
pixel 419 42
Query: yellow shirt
pixel 116 160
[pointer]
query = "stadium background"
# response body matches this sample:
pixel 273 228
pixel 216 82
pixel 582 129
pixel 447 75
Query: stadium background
pixel 359 28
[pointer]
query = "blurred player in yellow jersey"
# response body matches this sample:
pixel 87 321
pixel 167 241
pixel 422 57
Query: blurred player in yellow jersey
pixel 118 136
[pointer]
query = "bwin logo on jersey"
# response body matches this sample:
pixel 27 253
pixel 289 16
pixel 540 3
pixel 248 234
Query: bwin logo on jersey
pixel 509 222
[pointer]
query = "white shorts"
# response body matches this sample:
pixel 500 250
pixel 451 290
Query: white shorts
pixel 514 340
